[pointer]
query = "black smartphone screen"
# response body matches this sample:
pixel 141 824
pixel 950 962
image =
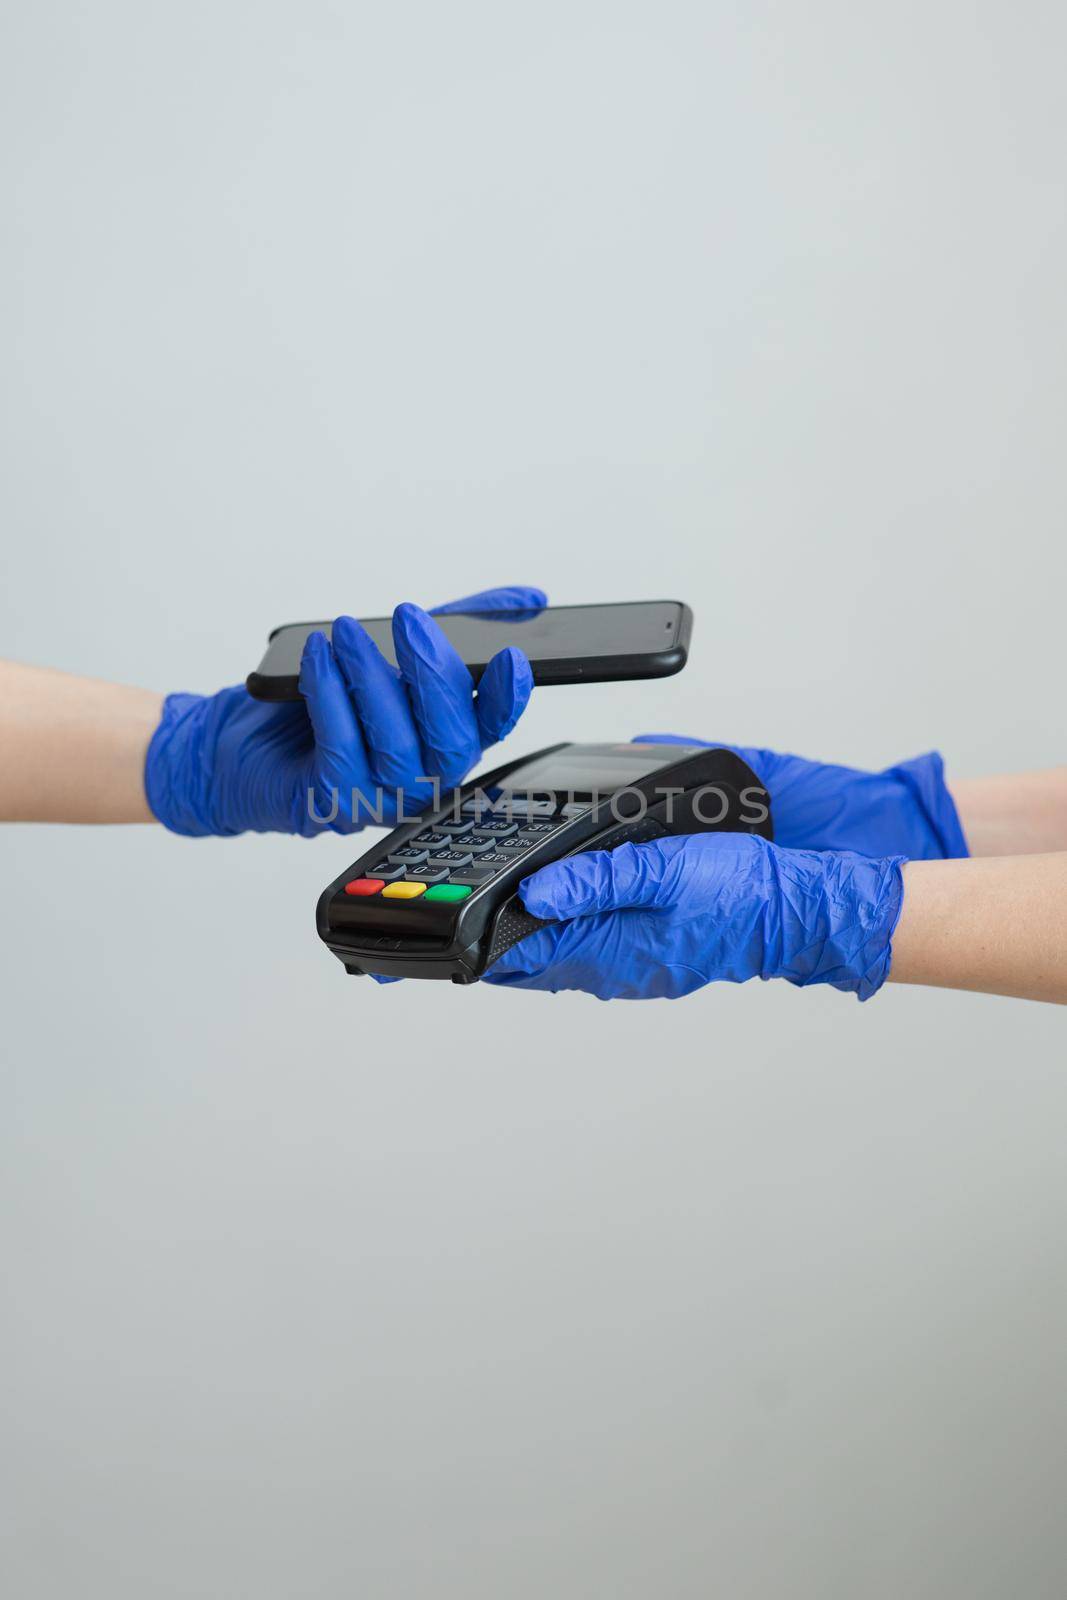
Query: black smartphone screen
pixel 643 638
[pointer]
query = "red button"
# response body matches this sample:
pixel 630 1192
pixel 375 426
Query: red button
pixel 364 886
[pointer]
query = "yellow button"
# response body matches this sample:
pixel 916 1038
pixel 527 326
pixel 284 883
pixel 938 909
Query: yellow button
pixel 403 891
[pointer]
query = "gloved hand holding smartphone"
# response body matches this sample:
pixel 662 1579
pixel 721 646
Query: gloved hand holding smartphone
pixel 362 743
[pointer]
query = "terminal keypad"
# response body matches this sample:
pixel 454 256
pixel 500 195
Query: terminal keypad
pixel 457 854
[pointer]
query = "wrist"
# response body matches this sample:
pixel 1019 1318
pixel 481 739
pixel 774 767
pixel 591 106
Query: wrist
pixel 178 767
pixel 1023 813
pixel 72 749
pixel 927 796
pixel 837 916
pixel 997 925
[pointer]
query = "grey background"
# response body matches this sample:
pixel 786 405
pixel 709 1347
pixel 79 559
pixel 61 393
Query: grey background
pixel 319 1290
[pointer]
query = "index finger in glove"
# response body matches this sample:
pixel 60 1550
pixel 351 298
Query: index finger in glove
pixel 338 740
pixel 441 692
pixel 381 705
pixel 341 764
pixel 600 880
pixel 694 870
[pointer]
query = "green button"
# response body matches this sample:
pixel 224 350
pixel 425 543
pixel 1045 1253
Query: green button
pixel 448 891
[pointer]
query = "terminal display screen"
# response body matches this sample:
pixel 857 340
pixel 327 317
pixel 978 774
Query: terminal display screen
pixel 582 769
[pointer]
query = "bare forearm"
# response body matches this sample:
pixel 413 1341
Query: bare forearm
pixel 72 749
pixel 1023 813
pixel 998 926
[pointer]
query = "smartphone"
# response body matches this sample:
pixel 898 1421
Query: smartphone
pixel 563 644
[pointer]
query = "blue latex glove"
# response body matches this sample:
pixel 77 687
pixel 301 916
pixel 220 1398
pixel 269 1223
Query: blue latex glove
pixel 364 735
pixel 662 919
pixel 905 810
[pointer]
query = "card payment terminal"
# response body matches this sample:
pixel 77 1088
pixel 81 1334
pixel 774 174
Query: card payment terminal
pixel 437 898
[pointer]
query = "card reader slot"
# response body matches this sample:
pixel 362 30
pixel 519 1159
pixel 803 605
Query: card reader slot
pixel 376 917
pixel 369 941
